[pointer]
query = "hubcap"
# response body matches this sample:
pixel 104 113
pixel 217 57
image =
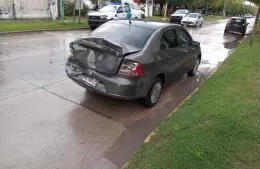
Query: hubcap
pixel 196 66
pixel 156 91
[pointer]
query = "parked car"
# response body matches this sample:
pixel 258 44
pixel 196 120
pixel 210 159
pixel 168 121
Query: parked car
pixel 248 16
pixel 113 61
pixel 236 24
pixel 192 19
pixel 107 13
pixel 177 16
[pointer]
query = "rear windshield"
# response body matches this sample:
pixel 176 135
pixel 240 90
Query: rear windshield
pixel 237 21
pixel 123 33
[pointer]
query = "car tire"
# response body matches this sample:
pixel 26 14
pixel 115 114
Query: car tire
pixel 225 31
pixel 243 33
pixel 195 25
pixel 193 71
pixel 154 93
pixel 201 24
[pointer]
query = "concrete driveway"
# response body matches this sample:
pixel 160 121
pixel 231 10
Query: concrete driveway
pixel 47 121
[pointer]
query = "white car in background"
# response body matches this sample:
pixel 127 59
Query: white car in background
pixel 192 19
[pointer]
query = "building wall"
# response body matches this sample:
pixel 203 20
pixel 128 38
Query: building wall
pixel 28 9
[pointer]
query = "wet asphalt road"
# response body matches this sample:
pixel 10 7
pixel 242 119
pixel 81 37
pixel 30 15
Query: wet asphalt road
pixel 47 121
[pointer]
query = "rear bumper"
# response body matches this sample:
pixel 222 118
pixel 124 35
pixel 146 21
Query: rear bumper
pixel 235 29
pixel 112 86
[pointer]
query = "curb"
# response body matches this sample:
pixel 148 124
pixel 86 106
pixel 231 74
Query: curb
pixel 193 92
pixel 42 30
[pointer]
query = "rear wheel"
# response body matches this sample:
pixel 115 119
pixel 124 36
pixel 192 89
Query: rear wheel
pixel 225 31
pixel 154 93
pixel 193 71
pixel 243 33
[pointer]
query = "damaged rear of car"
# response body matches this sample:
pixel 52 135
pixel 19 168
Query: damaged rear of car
pixel 98 62
pixel 133 59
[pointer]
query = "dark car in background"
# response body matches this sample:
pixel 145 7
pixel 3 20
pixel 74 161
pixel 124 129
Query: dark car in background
pixel 236 24
pixel 113 61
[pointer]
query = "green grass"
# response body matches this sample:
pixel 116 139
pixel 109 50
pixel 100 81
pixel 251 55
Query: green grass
pixel 214 17
pixel 35 24
pixel 218 127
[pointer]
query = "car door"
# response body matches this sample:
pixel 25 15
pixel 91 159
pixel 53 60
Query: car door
pixel 189 51
pixel 170 53
pixel 120 13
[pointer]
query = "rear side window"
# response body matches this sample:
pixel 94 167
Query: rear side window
pixel 184 38
pixel 170 37
pixel 123 33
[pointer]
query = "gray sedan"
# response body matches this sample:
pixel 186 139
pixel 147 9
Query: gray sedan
pixel 133 59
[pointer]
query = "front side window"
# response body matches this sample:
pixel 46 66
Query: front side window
pixel 170 37
pixel 120 10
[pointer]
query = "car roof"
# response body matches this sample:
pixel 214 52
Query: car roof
pixel 235 17
pixel 194 13
pixel 148 24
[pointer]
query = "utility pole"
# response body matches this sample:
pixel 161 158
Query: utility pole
pixel 61 11
pixel 14 14
pixel 225 8
pixel 207 5
pixel 79 9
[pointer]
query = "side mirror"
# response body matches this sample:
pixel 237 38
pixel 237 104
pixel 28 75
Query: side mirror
pixel 115 15
pixel 186 12
pixel 247 23
pixel 195 43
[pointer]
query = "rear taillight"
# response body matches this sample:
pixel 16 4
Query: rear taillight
pixel 228 21
pixel 131 69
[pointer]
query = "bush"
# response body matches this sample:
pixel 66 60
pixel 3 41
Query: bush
pixel 68 9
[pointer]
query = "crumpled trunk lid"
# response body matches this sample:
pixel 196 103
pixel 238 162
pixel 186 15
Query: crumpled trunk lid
pixel 100 54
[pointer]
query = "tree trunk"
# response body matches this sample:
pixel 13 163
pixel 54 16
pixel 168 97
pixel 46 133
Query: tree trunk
pixel 161 9
pixel 255 26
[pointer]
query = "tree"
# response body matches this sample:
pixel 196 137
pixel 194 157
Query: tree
pixel 256 2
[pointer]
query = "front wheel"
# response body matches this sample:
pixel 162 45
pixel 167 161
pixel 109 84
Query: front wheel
pixel 201 24
pixel 154 93
pixel 193 71
pixel 195 25
pixel 243 33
